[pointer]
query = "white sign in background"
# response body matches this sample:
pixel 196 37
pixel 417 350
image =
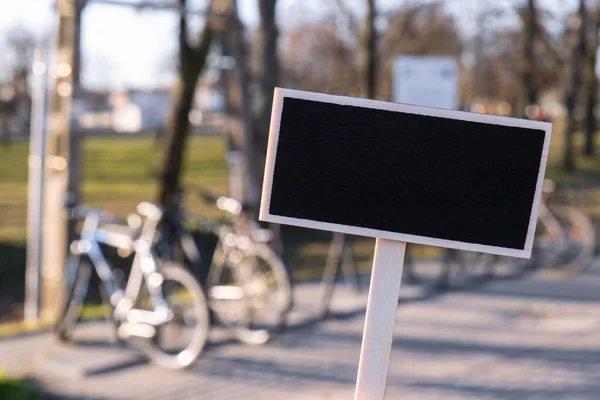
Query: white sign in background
pixel 430 81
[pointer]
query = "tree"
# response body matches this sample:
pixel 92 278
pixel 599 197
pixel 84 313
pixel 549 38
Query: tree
pixel 20 43
pixel 591 81
pixel 192 59
pixel 417 29
pixel 530 28
pixel 316 58
pixel 268 78
pixel 250 112
pixel 239 108
pixel 578 50
pixel 16 103
pixel 368 52
pixel 542 63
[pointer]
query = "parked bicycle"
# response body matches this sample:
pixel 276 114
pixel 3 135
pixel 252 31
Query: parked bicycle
pixel 159 300
pixel 247 284
pixel 564 245
pixel 436 273
pixel 565 239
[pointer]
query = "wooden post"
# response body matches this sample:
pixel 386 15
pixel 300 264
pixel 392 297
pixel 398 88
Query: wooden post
pixel 376 347
pixel 62 155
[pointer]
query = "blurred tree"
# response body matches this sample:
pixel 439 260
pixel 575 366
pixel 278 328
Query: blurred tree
pixel 591 80
pixel 577 36
pixel 249 111
pixel 493 73
pixel 20 43
pixel 530 32
pixel 504 62
pixel 268 78
pixel 422 29
pixel 239 107
pixel 316 58
pixel 368 53
pixel 15 100
pixel 192 59
pixel 542 63
pixel 418 29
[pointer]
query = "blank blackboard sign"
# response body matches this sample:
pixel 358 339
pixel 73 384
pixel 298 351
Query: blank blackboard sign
pixel 402 173
pixel 405 173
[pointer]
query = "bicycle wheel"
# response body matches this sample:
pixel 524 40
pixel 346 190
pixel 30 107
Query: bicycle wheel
pixel 249 291
pixel 187 302
pixel 570 250
pixel 431 273
pixel 76 279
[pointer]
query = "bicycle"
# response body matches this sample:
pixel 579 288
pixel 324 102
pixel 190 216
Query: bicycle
pixel 564 245
pixel 436 274
pixel 150 307
pixel 247 284
pixel 564 242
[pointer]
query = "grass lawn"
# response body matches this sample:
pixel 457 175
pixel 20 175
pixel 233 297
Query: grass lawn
pixel 116 176
pixel 18 389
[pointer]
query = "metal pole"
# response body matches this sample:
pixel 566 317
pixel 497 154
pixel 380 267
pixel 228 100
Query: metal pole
pixel 35 201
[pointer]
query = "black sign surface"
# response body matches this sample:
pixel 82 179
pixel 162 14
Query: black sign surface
pixel 408 173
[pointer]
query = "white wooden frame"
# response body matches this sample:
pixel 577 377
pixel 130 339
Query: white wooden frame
pixel 265 215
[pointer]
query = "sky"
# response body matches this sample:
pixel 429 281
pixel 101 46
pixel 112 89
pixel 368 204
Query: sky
pixel 123 47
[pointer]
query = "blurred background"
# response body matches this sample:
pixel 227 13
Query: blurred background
pixel 114 102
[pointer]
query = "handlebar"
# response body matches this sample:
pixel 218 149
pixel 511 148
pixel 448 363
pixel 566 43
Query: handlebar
pixel 548 190
pixel 224 203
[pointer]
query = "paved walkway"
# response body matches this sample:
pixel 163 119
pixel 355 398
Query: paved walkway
pixel 509 339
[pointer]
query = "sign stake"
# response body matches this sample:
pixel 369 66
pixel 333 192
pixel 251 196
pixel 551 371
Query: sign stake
pixel 382 303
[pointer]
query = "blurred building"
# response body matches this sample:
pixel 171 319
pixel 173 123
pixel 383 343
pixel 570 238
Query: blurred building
pixel 137 110
pixel 154 107
pixel 15 110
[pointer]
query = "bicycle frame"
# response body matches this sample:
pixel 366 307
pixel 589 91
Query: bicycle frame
pixel 144 268
pixel 175 229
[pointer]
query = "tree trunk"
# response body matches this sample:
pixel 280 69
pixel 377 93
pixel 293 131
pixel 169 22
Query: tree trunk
pixel 268 77
pixel 235 137
pixel 368 53
pixel 530 30
pixel 241 123
pixel 592 90
pixel 177 131
pixel 192 61
pixel 234 109
pixel 572 95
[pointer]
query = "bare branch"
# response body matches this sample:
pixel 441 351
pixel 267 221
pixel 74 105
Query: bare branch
pixel 347 14
pixel 151 6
